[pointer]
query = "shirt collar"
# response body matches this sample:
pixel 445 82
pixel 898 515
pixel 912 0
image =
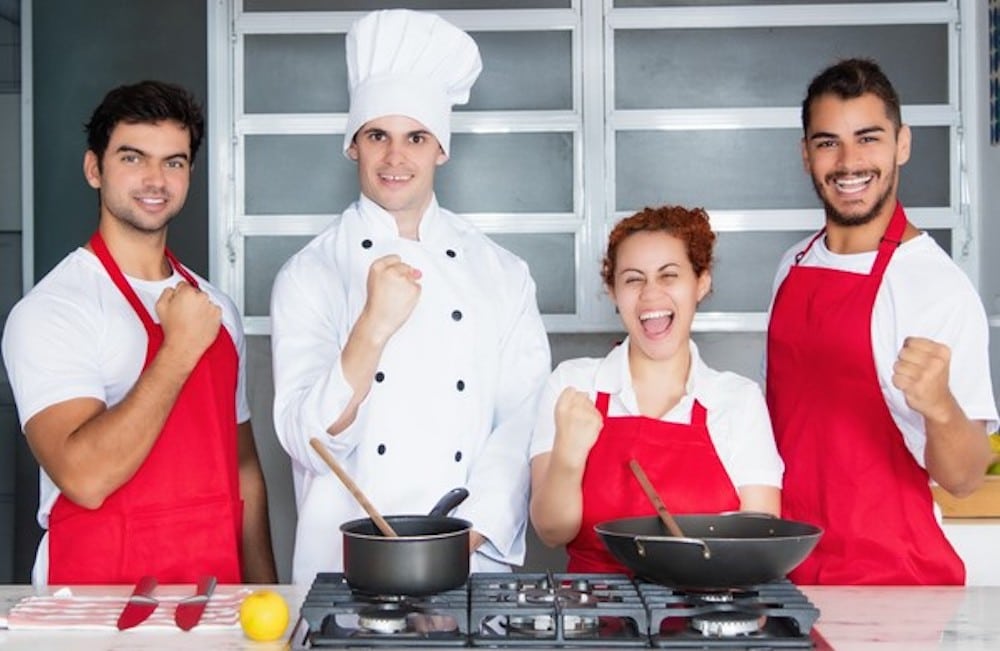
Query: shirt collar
pixel 431 226
pixel 614 378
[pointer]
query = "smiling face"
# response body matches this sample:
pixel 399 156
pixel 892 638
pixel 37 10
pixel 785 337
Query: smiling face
pixel 853 153
pixel 657 291
pixel 144 176
pixel 396 158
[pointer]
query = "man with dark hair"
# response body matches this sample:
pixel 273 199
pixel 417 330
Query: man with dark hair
pixel 129 377
pixel 878 375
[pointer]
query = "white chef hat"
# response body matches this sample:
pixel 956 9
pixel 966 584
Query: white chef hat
pixel 416 64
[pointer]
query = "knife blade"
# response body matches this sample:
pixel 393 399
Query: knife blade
pixel 140 605
pixel 189 610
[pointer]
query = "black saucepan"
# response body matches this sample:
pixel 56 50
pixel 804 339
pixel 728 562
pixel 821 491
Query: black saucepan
pixel 719 551
pixel 430 555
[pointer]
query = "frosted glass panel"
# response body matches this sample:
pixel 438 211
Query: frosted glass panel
pixel 748 67
pixel 751 169
pixel 295 73
pixel 298 175
pixel 744 269
pixel 370 5
pixel 523 172
pixel 507 56
pixel 552 260
pixel 263 258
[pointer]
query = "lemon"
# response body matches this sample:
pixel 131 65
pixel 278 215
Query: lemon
pixel 994 468
pixel 264 615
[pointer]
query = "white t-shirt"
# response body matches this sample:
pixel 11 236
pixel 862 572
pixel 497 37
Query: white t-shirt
pixel 738 422
pixel 923 294
pixel 75 336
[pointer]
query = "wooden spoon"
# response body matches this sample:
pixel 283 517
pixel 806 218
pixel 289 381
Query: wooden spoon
pixel 376 517
pixel 654 497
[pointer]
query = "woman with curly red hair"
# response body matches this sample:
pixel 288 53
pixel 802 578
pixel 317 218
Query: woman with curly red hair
pixel 702 436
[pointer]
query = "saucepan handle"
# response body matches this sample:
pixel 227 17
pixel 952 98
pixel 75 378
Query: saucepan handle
pixel 642 541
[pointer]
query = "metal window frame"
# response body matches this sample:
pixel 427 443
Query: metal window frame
pixel 592 121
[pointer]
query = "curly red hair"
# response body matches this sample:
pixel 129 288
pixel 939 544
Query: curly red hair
pixel 690 225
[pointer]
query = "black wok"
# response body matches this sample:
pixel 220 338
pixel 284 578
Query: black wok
pixel 430 555
pixel 719 551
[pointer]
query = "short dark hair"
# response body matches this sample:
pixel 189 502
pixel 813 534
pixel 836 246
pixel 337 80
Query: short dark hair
pixel 849 79
pixel 146 102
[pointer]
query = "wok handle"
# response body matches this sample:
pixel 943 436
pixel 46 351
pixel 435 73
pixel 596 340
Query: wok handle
pixel 640 547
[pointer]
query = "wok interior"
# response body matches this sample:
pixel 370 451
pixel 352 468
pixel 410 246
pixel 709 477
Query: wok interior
pixel 410 526
pixel 735 526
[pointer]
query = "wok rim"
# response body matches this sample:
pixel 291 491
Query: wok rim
pixel 465 527
pixel 813 532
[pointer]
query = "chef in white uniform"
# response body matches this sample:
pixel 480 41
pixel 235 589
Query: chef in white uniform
pixel 403 338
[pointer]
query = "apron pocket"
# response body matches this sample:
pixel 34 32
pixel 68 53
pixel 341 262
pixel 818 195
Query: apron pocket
pixel 181 543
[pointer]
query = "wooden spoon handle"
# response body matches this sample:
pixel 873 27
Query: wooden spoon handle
pixel 654 497
pixel 380 522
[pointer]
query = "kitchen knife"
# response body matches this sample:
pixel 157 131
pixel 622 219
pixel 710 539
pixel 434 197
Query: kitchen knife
pixel 140 605
pixel 189 610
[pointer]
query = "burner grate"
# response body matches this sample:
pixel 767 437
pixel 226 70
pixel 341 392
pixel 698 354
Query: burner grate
pixel 339 617
pixel 788 616
pixel 556 610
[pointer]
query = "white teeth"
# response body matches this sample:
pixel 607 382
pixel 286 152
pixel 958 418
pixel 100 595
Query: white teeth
pixel 153 201
pixel 853 182
pixel 388 177
pixel 655 315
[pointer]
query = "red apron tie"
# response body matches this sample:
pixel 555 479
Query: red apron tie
pixel 847 468
pixel 180 515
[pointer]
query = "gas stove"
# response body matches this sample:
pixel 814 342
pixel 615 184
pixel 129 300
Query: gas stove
pixel 558 610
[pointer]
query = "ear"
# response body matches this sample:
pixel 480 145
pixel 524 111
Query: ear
pixel 352 151
pixel 704 284
pixel 611 294
pixel 903 141
pixel 442 157
pixel 92 169
pixel 805 156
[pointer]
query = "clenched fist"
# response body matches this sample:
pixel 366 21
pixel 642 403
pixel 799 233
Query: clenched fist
pixel 921 373
pixel 578 424
pixel 190 320
pixel 393 291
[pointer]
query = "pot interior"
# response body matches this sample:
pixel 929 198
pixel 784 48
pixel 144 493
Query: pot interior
pixel 409 526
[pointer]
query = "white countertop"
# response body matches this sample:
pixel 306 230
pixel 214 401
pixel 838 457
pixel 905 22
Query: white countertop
pixel 851 619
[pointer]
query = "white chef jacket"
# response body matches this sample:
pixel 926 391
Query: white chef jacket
pixel 454 397
pixel 923 294
pixel 737 419
pixel 75 336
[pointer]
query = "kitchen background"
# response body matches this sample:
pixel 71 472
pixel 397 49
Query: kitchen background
pixel 585 112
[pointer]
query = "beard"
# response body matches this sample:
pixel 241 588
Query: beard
pixel 841 219
pixel 132 218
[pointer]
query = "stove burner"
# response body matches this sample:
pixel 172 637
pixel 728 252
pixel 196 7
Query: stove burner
pixel 728 624
pixel 544 625
pixel 563 596
pixel 388 617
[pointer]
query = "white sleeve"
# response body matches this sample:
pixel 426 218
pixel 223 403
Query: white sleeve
pixel 49 349
pixel 955 317
pixel 234 325
pixel 310 390
pixel 748 450
pixel 500 479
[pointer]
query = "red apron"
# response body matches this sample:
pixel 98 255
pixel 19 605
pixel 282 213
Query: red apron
pixel 680 461
pixel 180 515
pixel 847 468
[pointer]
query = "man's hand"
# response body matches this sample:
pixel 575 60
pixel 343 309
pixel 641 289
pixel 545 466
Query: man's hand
pixel 921 373
pixel 578 424
pixel 190 321
pixel 393 291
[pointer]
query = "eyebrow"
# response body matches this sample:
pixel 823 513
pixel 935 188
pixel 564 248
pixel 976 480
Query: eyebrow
pixel 136 150
pixel 821 135
pixel 669 264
